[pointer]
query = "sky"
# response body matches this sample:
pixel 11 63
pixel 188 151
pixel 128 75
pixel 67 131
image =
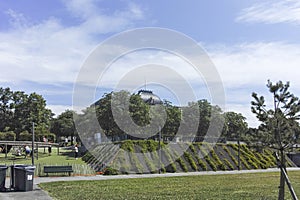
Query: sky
pixel 43 44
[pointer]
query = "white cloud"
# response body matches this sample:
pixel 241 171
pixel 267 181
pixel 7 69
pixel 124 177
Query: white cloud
pixel 254 63
pixel 271 12
pixel 58 109
pixel 245 68
pixel 50 52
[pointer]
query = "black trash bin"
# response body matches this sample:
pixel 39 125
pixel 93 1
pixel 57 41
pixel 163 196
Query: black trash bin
pixel 23 177
pixel 3 169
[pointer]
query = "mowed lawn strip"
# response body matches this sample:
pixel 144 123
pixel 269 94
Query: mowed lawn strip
pixel 238 186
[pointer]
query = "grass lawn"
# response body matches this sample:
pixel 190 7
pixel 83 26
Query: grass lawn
pixel 240 186
pixel 65 157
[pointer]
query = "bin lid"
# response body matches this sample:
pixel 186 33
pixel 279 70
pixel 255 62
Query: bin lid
pixel 26 167
pixel 3 167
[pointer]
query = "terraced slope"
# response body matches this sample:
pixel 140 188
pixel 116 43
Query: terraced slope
pixel 143 157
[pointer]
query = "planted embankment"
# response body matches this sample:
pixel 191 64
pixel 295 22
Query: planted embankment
pixel 145 157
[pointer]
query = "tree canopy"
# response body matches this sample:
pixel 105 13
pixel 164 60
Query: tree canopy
pixel 279 126
pixel 18 110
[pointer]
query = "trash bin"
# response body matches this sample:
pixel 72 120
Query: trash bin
pixel 23 177
pixel 3 169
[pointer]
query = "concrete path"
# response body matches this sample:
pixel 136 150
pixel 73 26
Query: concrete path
pixel 38 194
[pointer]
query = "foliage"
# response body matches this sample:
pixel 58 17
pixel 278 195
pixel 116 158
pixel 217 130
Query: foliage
pixel 145 152
pixel 279 127
pixel 64 125
pixel 230 166
pixel 189 161
pixel 182 164
pixel 235 126
pixel 8 136
pixel 209 114
pixel 25 136
pixel 173 119
pixel 18 110
pixel 171 167
pixel 211 163
pixel 189 157
pixel 110 171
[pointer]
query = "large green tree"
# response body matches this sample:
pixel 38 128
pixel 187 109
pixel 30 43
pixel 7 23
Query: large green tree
pixel 18 110
pixel 6 108
pixel 279 123
pixel 173 119
pixel 63 125
pixel 210 116
pixel 235 126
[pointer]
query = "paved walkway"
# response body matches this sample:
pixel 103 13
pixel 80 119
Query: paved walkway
pixel 38 194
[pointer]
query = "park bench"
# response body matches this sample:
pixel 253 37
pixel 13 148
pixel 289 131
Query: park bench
pixel 58 169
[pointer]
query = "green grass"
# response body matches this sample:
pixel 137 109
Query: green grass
pixel 65 157
pixel 239 186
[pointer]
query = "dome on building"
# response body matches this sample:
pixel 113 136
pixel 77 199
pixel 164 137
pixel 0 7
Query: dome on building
pixel 149 98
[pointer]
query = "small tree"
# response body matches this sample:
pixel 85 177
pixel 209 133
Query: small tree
pixel 279 124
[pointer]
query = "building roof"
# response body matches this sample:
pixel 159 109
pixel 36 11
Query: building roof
pixel 149 97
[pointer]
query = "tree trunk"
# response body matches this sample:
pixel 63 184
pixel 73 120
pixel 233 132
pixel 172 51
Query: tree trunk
pixel 282 178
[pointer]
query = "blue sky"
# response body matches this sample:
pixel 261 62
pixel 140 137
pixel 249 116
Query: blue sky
pixel 43 44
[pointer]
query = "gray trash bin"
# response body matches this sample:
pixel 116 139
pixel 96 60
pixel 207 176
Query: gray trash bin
pixel 3 169
pixel 23 177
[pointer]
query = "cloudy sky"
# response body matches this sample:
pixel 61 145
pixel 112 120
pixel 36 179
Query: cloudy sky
pixel 43 44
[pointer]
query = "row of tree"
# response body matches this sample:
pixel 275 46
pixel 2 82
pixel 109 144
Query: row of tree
pixel 18 110
pixel 135 119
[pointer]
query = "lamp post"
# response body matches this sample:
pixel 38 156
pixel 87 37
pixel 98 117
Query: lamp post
pixel 159 150
pixel 32 153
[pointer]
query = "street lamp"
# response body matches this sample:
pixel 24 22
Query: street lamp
pixel 32 153
pixel 159 149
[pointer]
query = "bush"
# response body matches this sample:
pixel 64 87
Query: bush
pixel 8 136
pixel 202 164
pixel 171 167
pixel 182 164
pixel 25 136
pixel 128 146
pixel 110 171
pixel 211 163
pixel 228 164
pixel 191 161
pixel 192 148
pixel 87 156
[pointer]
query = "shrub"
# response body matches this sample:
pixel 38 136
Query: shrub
pixel 191 161
pixel 149 164
pixel 228 164
pixel 152 145
pixel 222 166
pixel 8 136
pixel 192 148
pixel 244 162
pixel 211 163
pixel 202 164
pixel 110 171
pixel 182 164
pixel 25 136
pixel 127 146
pixel 172 166
pixel 87 156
